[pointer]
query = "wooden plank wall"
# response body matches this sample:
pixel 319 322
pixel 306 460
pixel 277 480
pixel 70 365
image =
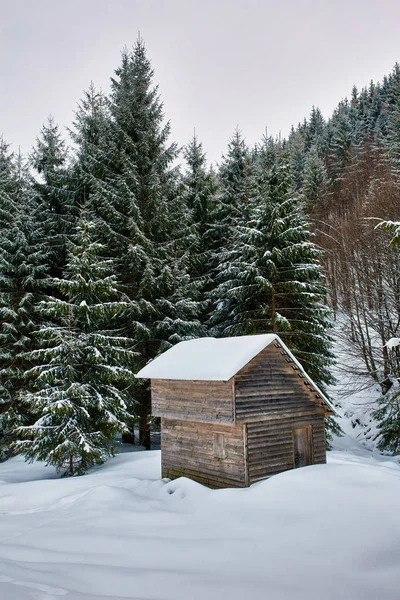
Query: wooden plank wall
pixel 201 401
pixel 270 444
pixel 269 384
pixel 210 454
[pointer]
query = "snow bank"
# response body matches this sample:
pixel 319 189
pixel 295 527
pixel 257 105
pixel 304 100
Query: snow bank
pixel 321 532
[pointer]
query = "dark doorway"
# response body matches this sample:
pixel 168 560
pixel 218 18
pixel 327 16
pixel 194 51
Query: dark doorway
pixel 302 445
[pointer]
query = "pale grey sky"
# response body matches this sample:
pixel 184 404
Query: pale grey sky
pixel 221 63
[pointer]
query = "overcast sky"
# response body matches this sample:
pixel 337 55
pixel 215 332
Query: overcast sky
pixel 219 63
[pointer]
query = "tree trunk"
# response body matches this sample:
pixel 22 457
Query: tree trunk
pixel 143 414
pixel 144 431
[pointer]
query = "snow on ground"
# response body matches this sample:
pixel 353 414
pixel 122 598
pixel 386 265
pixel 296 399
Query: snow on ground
pixel 326 532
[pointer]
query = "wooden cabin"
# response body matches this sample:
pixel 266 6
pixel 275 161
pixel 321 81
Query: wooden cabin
pixel 235 410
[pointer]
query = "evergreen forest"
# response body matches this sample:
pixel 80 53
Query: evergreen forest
pixel 120 244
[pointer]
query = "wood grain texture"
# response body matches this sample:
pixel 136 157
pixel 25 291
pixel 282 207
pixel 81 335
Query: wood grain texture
pixel 201 401
pixel 271 444
pixel 194 450
pixel 269 384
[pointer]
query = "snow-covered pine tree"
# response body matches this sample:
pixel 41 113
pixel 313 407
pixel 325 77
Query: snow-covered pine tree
pixel 199 188
pixel 23 268
pixel 57 210
pixel 298 310
pixel 96 170
pixel 297 153
pixel 234 205
pixel 91 134
pixel 315 130
pixel 80 377
pixel 341 136
pixel 390 141
pixel 7 170
pixel 136 198
pixel 271 278
pixel 315 179
pixel 234 196
pixel 388 417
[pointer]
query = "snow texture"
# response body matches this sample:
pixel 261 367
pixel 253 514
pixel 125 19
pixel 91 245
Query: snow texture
pixel 354 392
pixel 213 359
pixel 322 532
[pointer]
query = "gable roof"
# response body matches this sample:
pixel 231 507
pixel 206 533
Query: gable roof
pixel 215 359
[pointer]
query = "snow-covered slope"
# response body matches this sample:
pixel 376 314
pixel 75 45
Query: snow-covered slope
pixel 323 532
pixel 354 393
pixel 356 408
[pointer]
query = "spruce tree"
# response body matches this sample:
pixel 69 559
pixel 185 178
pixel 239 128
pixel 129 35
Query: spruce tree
pixel 93 167
pixel 297 154
pixel 388 417
pixel 315 179
pixel 271 281
pixel 7 171
pixel 390 142
pixel 57 212
pixel 233 208
pixel 155 272
pixel 234 196
pixel 80 378
pixel 341 136
pixel 134 191
pixel 315 130
pixel 199 188
pixel 23 268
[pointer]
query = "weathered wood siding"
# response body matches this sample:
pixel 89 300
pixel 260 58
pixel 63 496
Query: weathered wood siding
pixel 269 384
pixel 201 401
pixel 210 454
pixel 270 448
pixel 232 434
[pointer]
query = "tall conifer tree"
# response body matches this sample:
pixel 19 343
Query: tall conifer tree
pixel 234 205
pixel 199 188
pixel 80 385
pixel 23 267
pixel 271 278
pixel 141 216
pixel 315 179
pixel 57 212
pixel 234 197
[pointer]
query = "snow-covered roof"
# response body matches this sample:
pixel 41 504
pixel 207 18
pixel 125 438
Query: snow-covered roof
pixel 214 359
pixel 209 359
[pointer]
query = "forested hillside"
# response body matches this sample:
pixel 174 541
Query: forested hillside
pixel 121 245
pixel 348 169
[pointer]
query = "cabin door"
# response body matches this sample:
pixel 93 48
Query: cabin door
pixel 302 446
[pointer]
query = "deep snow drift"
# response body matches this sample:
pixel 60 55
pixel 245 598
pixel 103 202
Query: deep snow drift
pixel 326 532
